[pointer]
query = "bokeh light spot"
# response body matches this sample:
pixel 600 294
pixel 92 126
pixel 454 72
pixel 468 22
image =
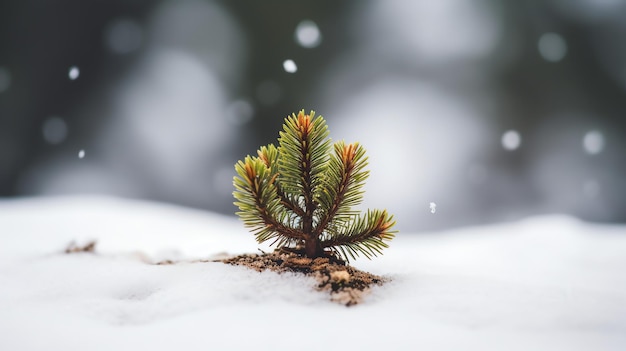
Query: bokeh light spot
pixel 552 47
pixel 290 66
pixel 593 142
pixel 511 140
pixel 591 188
pixel 308 34
pixel 73 73
pixel 123 36
pixel 54 130
pixel 239 112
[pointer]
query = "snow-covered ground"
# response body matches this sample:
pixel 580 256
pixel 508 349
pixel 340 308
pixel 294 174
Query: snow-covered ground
pixel 546 283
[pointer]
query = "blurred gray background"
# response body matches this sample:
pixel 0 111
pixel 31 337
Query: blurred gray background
pixel 492 110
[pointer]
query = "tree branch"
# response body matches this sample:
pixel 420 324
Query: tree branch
pixel 270 221
pixel 366 235
pixel 346 160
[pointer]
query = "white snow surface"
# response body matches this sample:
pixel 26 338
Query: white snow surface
pixel 545 283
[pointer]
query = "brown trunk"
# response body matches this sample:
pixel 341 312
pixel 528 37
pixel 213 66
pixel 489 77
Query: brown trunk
pixel 312 247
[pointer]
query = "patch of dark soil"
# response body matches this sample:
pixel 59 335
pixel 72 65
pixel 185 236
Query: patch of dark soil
pixel 346 285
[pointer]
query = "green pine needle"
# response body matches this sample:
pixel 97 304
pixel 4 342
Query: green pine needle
pixel 301 193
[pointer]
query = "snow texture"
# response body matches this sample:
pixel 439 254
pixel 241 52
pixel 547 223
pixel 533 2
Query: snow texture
pixel 546 283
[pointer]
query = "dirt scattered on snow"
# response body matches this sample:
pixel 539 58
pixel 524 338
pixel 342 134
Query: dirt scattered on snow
pixel 72 247
pixel 346 285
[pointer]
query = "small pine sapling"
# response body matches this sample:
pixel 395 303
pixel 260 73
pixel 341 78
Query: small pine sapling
pixel 300 194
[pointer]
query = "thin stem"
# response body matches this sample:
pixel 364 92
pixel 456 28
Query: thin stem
pixel 347 159
pixel 311 241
